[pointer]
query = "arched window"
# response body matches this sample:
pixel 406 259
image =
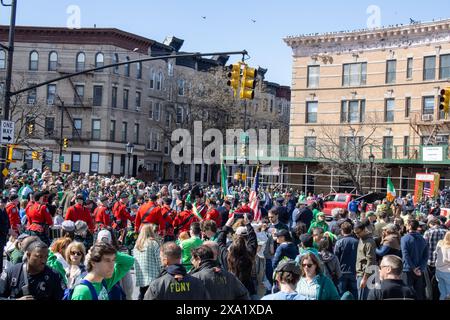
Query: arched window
pixel 116 60
pixel 81 62
pixel 34 61
pixel 52 61
pixel 127 67
pixel 139 70
pixel 99 60
pixel 152 79
pixel 159 81
pixel 2 59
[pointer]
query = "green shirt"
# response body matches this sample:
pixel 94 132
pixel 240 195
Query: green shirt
pixel 16 256
pixel 187 245
pixel 52 262
pixel 318 224
pixel 123 264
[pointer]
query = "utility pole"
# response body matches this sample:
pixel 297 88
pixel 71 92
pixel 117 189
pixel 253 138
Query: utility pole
pixel 61 136
pixel 8 80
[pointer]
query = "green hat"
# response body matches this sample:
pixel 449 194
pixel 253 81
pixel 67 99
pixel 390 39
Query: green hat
pixel 370 214
pixel 321 214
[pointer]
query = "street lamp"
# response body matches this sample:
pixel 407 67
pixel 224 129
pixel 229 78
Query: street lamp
pixel 371 160
pixel 130 149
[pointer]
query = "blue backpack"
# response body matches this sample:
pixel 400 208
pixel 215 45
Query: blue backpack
pixel 69 292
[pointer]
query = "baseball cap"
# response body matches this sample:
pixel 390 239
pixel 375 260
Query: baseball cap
pixel 241 231
pixel 288 266
pixel 104 236
pixel 283 233
pixel 80 227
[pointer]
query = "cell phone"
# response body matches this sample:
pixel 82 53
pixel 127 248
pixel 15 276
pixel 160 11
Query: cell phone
pixel 26 290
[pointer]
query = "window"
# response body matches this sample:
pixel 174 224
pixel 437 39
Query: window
pixel 167 147
pixel 180 87
pixel 271 106
pixel 355 74
pixel 154 141
pixel 407 107
pixel 52 61
pixel 444 69
pixel 387 147
pixel 77 126
pixel 428 105
pixel 116 60
pixel 81 62
pixel 125 98
pixel 114 97
pixel 124 131
pixel 406 146
pixel 353 111
pixel 152 79
pixel 313 76
pixel 93 167
pixel 98 96
pixel 350 147
pixel 389 110
pixel 127 67
pixel 310 147
pixel 136 133
pixel 150 111
pixel 170 69
pixel 391 70
pixel 47 161
pixel 99 61
pixel 49 127
pixel 138 101
pixel 34 61
pixel 409 68
pixel 429 68
pixel 311 112
pixel 96 129
pixel 159 81
pixel 51 92
pixel 122 164
pixel 139 70
pixel 79 95
pixel 179 115
pixel 76 160
pixel 168 119
pixel 2 59
pixel 111 163
pixel 157 111
pixel 32 95
pixel 112 131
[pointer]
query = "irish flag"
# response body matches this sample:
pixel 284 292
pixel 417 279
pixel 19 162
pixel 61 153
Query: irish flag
pixel 390 190
pixel 224 180
pixel 194 209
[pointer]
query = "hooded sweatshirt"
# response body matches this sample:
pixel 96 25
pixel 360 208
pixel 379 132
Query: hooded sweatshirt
pixel 332 268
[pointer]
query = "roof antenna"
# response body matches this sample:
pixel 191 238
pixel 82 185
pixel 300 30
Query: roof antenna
pixel 95 26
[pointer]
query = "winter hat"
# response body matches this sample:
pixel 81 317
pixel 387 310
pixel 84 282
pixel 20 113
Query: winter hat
pixel 68 226
pixel 104 236
pixel 241 231
pixel 80 227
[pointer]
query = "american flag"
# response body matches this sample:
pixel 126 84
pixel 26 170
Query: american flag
pixel 427 189
pixel 253 198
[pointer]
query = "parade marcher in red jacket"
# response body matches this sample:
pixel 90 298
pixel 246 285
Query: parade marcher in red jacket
pixel 184 219
pixel 79 212
pixel 213 213
pixel 149 212
pixel 13 213
pixel 202 208
pixel 239 213
pixel 102 215
pixel 167 219
pixel 39 219
pixel 121 214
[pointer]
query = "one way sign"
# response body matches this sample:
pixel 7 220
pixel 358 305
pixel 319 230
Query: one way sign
pixel 7 132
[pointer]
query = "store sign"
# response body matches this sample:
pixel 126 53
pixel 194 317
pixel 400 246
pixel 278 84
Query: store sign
pixel 433 154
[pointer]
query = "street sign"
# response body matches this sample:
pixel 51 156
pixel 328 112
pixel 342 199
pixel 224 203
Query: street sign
pixel 5 172
pixel 61 159
pixel 7 132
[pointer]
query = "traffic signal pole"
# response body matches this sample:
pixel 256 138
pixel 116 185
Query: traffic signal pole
pixel 8 81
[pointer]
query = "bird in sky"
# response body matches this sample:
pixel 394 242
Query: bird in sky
pixel 253 20
pixel 204 17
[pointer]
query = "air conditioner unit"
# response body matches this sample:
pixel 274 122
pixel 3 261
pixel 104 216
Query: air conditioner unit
pixel 50 101
pixel 31 100
pixel 441 139
pixel 427 117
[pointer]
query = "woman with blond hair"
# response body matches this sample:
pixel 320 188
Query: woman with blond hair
pixel 443 266
pixel 147 262
pixel 76 270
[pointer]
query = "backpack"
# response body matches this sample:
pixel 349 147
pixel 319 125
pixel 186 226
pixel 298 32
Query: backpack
pixel 69 292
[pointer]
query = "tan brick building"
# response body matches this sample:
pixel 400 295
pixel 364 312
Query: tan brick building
pixel 384 83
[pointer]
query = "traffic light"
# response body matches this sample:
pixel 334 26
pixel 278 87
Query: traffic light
pixel 243 150
pixel 65 143
pixel 234 76
pixel 30 128
pixel 35 155
pixel 248 83
pixel 445 101
pixel 10 153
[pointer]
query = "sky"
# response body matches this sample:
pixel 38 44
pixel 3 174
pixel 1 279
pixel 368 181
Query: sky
pixel 233 25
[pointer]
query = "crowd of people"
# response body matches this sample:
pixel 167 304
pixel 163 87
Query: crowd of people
pixel 83 237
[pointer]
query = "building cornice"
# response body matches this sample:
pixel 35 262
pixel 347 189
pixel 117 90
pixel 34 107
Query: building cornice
pixel 373 39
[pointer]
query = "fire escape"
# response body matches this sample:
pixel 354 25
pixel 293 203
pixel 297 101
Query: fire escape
pixel 432 128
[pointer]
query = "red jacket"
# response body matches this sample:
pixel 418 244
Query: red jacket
pixel 167 220
pixel 121 215
pixel 13 215
pixel 79 212
pixel 242 210
pixel 37 216
pixel 154 216
pixel 102 218
pixel 214 215
pixel 184 220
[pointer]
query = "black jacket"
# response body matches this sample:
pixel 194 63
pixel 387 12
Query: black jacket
pixel 392 289
pixel 220 284
pixel 4 227
pixel 305 215
pixel 283 214
pixel 175 284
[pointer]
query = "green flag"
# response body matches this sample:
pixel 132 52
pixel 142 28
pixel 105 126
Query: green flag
pixel 390 190
pixel 224 180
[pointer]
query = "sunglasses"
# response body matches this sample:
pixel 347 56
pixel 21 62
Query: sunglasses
pixel 309 265
pixel 76 254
